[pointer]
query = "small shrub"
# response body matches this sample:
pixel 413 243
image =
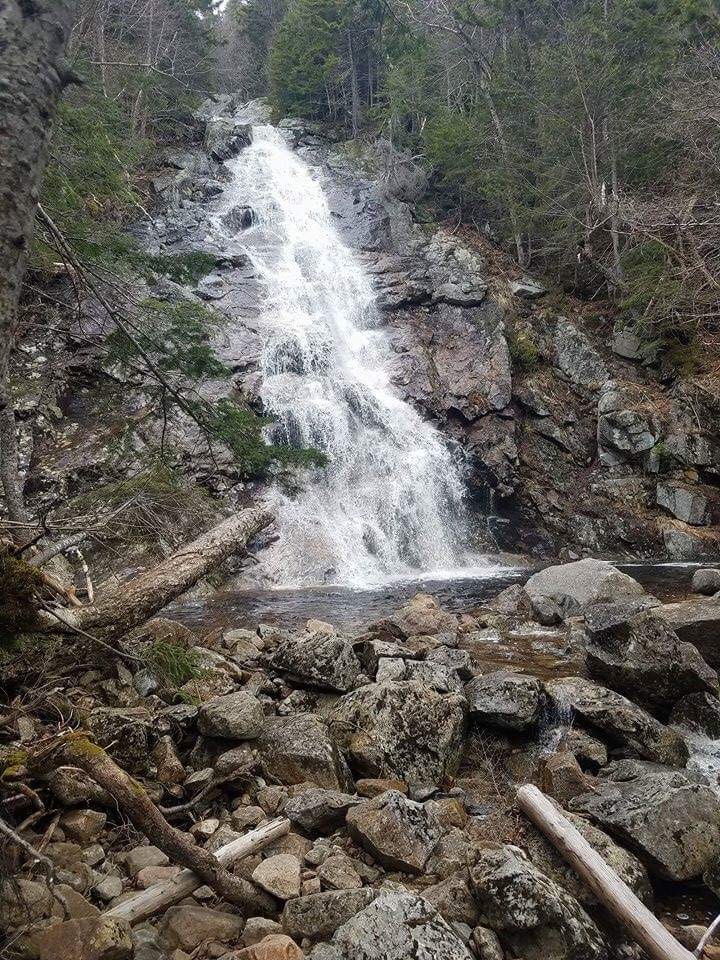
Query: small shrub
pixel 171 664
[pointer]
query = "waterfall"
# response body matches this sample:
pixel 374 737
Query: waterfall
pixel 390 502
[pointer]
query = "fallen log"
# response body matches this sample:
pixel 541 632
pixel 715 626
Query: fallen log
pixel 162 895
pixel 132 603
pixel 611 891
pixel 77 750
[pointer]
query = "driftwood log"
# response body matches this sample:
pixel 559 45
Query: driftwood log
pixel 138 600
pixel 611 891
pixel 162 895
pixel 77 750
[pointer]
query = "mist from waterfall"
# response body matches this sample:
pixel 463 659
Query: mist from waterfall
pixel 390 502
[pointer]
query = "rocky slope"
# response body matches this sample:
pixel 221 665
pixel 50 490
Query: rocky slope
pixel 395 754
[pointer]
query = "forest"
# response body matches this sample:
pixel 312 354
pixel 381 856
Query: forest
pixel 359 479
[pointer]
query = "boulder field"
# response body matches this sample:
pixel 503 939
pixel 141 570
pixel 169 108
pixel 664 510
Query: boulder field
pixel 395 752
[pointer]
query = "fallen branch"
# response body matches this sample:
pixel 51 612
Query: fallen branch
pixel 607 886
pixel 133 800
pixel 138 600
pixel 159 896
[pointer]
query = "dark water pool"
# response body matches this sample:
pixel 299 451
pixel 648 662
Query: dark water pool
pixel 351 608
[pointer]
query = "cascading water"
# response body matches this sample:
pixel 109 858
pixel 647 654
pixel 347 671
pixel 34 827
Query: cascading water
pixel 390 502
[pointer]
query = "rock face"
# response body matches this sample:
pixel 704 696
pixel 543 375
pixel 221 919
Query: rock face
pixel 576 356
pixel 685 503
pixel 395 926
pixel 238 716
pixel 404 730
pixel 619 719
pixel 671 820
pixel 300 749
pixel 319 660
pixel 503 699
pixel 535 917
pixel 577 585
pixel 397 832
pixel 641 657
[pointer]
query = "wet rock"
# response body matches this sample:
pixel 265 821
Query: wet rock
pixel 697 622
pixel 504 699
pixel 238 218
pixel 402 730
pixel 124 731
pixel 279 875
pixel 319 660
pixel 637 802
pixel 641 657
pixel 87 938
pixel 300 749
pixel 422 616
pixel 395 926
pixel 700 713
pixel 224 138
pixel 237 716
pixel 319 811
pixel 706 581
pixel 317 916
pixel 576 356
pixel 186 927
pixel 546 611
pixel 397 832
pixel 619 719
pixel 453 899
pixel 577 585
pixel 535 917
pixel 685 503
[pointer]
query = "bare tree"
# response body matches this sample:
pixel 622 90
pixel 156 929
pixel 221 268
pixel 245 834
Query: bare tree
pixel 33 72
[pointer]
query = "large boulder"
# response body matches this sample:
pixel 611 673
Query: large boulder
pixel 300 749
pixel 395 926
pixel 670 818
pixel 402 729
pixel 504 699
pixel 318 915
pixel 535 917
pixel 237 716
pixel 622 721
pixel 574 586
pixel 319 660
pixel 640 656
pixel 422 616
pixel 397 832
pixel 698 622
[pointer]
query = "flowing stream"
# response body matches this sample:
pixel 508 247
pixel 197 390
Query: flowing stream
pixel 390 503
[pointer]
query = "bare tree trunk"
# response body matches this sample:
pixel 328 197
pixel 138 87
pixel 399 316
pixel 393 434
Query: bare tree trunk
pixel 134 801
pixel 32 75
pixel 135 602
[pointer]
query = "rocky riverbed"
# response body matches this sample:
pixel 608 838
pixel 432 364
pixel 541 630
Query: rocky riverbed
pixel 395 752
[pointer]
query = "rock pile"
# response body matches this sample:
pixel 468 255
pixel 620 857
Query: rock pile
pixel 394 754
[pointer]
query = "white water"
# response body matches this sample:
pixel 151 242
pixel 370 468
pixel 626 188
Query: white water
pixel 390 503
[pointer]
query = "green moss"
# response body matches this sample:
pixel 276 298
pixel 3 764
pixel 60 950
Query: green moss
pixel 524 351
pixel 20 585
